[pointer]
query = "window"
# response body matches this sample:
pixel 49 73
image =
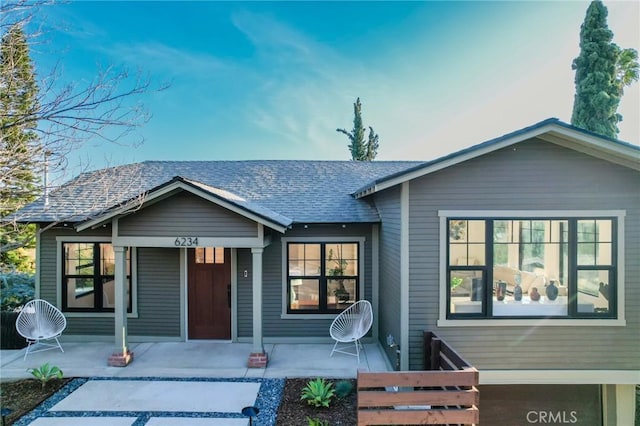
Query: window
pixel 210 255
pixel 88 283
pixel 531 267
pixel 322 277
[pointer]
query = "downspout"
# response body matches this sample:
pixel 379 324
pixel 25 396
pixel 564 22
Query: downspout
pixel 404 276
pixel 38 255
pixel 375 279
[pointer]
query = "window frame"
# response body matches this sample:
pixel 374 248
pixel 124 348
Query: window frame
pixel 311 314
pixel 617 304
pixel 93 312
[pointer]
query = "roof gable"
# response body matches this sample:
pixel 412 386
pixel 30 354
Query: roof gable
pixel 551 130
pixel 225 199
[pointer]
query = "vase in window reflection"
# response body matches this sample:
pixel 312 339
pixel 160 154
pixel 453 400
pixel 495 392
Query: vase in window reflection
pixel 476 289
pixel 534 295
pixel 501 290
pixel 552 291
pixel 517 292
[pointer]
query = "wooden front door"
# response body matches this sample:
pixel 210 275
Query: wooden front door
pixel 209 293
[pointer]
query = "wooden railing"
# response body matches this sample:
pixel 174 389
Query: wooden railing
pixel 445 393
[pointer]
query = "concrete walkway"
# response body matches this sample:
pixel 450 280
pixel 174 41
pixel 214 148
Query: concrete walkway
pixel 188 383
pixel 159 401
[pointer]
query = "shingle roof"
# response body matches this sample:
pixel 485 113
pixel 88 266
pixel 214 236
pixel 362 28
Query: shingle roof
pixel 242 203
pixel 302 191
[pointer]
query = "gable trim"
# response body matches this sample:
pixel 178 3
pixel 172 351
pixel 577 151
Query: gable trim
pixel 164 191
pixel 551 130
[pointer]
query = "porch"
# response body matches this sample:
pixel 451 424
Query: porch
pixel 196 359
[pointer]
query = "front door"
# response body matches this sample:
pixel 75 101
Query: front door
pixel 209 293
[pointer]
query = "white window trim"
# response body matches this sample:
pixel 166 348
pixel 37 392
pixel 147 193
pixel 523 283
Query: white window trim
pixel 344 239
pixel 620 321
pixel 93 239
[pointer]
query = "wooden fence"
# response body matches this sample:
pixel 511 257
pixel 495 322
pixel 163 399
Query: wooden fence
pixel 445 393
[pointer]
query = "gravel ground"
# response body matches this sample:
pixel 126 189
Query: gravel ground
pixel 284 396
pixel 294 412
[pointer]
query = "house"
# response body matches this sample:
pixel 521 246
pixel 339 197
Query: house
pixel 523 252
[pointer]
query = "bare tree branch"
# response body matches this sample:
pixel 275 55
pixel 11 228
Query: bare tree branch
pixel 64 117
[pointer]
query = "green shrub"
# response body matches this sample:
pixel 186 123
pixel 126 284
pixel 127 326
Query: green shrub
pixel 343 388
pixel 317 422
pixel 45 372
pixel 17 289
pixel 318 392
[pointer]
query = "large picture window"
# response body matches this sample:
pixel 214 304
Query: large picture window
pixel 322 277
pixel 88 279
pixel 531 267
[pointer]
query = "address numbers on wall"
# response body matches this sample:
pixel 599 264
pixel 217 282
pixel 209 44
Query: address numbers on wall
pixel 186 242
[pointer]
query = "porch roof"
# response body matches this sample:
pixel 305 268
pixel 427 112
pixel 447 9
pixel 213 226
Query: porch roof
pixel 218 196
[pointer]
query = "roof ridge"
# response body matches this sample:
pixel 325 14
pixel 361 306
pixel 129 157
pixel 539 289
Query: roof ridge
pixel 282 161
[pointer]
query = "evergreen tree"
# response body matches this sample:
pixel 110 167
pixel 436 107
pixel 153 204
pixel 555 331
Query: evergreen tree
pixel 602 71
pixel 361 150
pixel 18 143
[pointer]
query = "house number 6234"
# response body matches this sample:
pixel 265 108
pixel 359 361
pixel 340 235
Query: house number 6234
pixel 186 241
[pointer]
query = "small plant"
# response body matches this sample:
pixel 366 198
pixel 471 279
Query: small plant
pixel 317 422
pixel 46 372
pixel 343 388
pixel 318 392
pixel 455 282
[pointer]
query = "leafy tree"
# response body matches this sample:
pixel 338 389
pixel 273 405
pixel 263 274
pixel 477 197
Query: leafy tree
pixel 602 69
pixel 361 150
pixel 18 181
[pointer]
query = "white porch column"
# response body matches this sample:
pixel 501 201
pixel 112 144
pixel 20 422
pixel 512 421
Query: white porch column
pixel 121 356
pixel 258 357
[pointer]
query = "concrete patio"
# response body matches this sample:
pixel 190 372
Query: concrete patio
pixel 196 359
pixel 193 383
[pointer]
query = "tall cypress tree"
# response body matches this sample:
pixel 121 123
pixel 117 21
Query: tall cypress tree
pixel 18 140
pixel 602 71
pixel 361 150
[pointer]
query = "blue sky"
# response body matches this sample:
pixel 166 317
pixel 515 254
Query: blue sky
pixel 273 80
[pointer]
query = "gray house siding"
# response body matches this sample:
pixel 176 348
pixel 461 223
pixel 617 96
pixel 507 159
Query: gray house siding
pixel 533 175
pixel 48 263
pixel 158 281
pixel 388 204
pixel 273 324
pixel 185 214
pixel 244 294
pixel 158 293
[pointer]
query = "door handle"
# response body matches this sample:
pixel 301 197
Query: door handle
pixel 229 295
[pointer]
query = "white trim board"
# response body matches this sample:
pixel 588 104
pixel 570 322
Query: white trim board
pixel 557 377
pixel 620 215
